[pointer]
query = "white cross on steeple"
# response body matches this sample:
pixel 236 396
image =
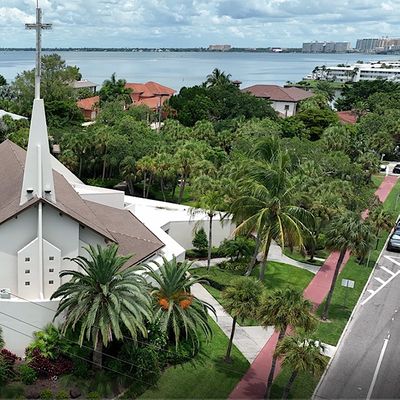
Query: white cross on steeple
pixel 38 173
pixel 38 26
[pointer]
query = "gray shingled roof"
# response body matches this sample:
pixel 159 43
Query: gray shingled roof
pixel 119 226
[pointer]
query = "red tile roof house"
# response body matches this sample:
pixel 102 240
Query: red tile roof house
pixel 283 100
pixel 152 94
pixel 347 117
pixel 89 107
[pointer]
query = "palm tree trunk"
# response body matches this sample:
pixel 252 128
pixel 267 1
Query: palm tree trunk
pixel 210 216
pixel 130 186
pixel 144 184
pixel 263 265
pixel 162 187
pixel 289 385
pixel 273 366
pixel 377 239
pixel 182 189
pixel 98 355
pixel 80 167
pixel 149 185
pixel 229 349
pixel 254 257
pixel 103 176
pixel 335 275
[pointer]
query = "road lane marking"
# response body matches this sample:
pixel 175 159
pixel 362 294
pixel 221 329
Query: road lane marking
pixel 379 280
pixel 371 291
pixel 378 366
pixel 392 259
pixel 387 270
pixel 379 289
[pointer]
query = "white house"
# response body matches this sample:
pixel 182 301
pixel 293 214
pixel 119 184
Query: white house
pixel 284 100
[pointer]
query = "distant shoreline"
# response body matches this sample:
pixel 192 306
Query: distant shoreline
pixel 273 50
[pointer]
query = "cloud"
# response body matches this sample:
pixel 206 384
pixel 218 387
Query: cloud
pixel 193 23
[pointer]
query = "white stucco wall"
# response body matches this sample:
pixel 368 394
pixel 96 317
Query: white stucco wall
pixel 280 107
pixel 33 314
pixel 15 234
pixel 183 231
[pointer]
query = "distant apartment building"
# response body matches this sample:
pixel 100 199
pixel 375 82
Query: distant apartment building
pixel 378 45
pixel 219 47
pixel 326 47
pixel 389 70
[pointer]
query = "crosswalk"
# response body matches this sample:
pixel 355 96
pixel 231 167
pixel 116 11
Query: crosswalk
pixel 387 269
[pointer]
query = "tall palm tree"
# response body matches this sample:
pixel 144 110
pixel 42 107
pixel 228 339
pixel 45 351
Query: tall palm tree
pixel 381 219
pixel 300 354
pixel 102 299
pixel 346 232
pixel 218 78
pixel 177 310
pixel 267 208
pixel 283 308
pixel 241 300
pixel 114 89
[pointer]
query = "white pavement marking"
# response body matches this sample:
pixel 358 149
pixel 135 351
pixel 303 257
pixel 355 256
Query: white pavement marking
pixel 392 259
pixel 371 291
pixel 379 289
pixel 387 270
pixel 380 280
pixel 378 366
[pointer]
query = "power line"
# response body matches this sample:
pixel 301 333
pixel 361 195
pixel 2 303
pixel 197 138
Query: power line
pixel 129 338
pixel 75 355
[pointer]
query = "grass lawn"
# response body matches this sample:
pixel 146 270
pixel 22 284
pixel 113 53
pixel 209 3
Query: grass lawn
pixel 377 180
pixel 277 276
pixel 206 377
pixel 296 255
pixel 302 388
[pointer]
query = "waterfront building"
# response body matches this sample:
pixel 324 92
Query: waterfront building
pixel 326 47
pixel 219 47
pixel 284 100
pixel 84 84
pixel 389 70
pixel 151 94
pixel 48 216
pixel 89 107
pixel 378 45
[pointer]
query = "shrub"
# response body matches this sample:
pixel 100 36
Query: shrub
pixel 182 353
pixel 237 248
pixel 239 266
pixel 9 357
pixel 200 241
pixel 62 395
pixel 47 368
pixel 27 374
pixel 4 371
pixel 93 396
pixel 46 394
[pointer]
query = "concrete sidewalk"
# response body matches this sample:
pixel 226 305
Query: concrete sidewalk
pixel 249 340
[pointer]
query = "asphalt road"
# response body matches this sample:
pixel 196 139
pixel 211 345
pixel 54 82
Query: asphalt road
pixel 367 362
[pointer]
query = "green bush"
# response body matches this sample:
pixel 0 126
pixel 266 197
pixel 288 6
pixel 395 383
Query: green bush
pixel 62 395
pixel 238 266
pixel 46 394
pixel 238 248
pixel 200 241
pixel 4 371
pixel 182 353
pixel 93 396
pixel 27 374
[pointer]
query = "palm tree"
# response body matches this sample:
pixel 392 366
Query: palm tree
pixel 283 308
pixel 300 354
pixel 346 232
pixel 128 172
pixel 218 78
pixel 267 208
pixel 107 296
pixel 177 310
pixel 114 89
pixel 381 219
pixel 241 301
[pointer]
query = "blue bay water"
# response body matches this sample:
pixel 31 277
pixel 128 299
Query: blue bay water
pixel 177 69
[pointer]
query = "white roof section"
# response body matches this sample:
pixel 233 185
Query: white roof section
pixel 83 84
pixel 15 117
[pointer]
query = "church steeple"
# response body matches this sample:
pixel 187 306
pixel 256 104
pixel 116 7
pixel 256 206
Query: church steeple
pixel 38 174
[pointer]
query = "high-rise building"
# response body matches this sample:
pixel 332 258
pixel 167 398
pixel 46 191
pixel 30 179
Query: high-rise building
pixel 326 47
pixel 378 45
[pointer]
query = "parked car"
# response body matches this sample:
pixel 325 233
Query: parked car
pixel 383 168
pixel 396 169
pixel 394 241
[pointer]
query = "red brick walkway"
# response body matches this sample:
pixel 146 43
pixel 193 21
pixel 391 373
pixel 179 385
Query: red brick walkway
pixel 252 385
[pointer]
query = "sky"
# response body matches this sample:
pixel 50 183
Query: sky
pixel 198 23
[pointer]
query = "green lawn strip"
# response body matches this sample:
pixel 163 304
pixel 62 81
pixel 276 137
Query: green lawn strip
pixel 330 332
pixel 278 275
pixel 297 256
pixel 206 377
pixel 302 388
pixel 377 180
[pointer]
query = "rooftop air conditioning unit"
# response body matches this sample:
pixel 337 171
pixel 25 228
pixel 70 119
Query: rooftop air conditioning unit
pixel 5 293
